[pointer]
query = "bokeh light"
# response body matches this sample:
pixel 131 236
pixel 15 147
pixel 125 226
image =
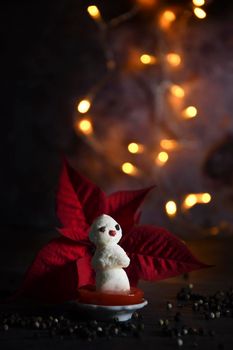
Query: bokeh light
pixel 171 208
pixel 129 168
pixel 199 13
pixel 198 2
pixel 162 158
pixel 166 19
pixel 177 91
pixel 206 197
pixel 134 147
pixel 196 198
pixel 148 59
pixel 85 126
pixel 190 112
pixel 94 12
pixel 84 106
pixel 190 201
pixel 168 144
pixel 173 59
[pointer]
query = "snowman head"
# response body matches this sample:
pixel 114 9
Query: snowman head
pixel 105 231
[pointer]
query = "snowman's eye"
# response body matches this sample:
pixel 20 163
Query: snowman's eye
pixel 117 227
pixel 102 229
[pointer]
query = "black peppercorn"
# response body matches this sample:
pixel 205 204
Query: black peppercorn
pixel 5 327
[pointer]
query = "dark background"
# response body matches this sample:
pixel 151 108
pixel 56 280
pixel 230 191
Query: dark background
pixel 51 56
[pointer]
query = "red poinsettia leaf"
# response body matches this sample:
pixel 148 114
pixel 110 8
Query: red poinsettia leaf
pixel 69 209
pixel 90 196
pixel 86 273
pixel 137 217
pixel 74 233
pixel 156 254
pixel 53 276
pixel 123 206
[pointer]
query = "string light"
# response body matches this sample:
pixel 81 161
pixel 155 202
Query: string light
pixel 84 106
pixel 173 59
pixel 168 144
pixel 190 112
pixel 148 59
pixel 162 158
pixel 166 19
pixel 129 168
pixel 134 147
pixel 171 208
pixel 199 13
pixel 198 2
pixel 85 126
pixel 177 91
pixel 192 199
pixel 94 12
pixel 205 198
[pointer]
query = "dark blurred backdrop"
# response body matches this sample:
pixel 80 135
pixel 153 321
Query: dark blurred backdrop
pixel 52 54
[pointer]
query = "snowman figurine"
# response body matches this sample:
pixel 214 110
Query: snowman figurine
pixel 109 258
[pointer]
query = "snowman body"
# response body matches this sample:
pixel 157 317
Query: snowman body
pixel 109 258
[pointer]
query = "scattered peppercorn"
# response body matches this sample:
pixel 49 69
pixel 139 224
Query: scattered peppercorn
pixel 5 327
pixel 180 342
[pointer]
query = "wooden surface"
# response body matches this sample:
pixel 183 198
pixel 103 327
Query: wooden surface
pixel 208 281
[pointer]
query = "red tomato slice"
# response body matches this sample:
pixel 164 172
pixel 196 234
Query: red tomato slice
pixel 89 295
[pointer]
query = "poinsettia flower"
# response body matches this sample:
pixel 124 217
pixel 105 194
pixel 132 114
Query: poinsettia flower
pixel 64 264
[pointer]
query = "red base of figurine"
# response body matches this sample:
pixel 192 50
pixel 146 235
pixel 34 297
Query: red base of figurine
pixel 89 295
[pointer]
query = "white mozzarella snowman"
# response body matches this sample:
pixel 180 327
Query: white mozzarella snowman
pixel 109 258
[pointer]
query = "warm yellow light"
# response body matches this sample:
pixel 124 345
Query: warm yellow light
pixel 147 59
pixel 173 59
pixel 85 126
pixel 205 197
pixel 169 15
pixel 166 19
pixel 134 147
pixel 161 158
pixel 190 112
pixel 171 208
pixel 84 106
pixel 168 144
pixel 199 13
pixel 177 91
pixel 198 2
pixel 190 201
pixel 129 168
pixel 94 12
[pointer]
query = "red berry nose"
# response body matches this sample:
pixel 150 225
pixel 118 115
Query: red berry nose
pixel 112 233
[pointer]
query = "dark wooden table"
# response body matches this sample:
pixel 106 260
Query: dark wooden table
pixel 213 251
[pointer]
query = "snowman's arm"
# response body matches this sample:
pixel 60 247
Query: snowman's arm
pixel 120 256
